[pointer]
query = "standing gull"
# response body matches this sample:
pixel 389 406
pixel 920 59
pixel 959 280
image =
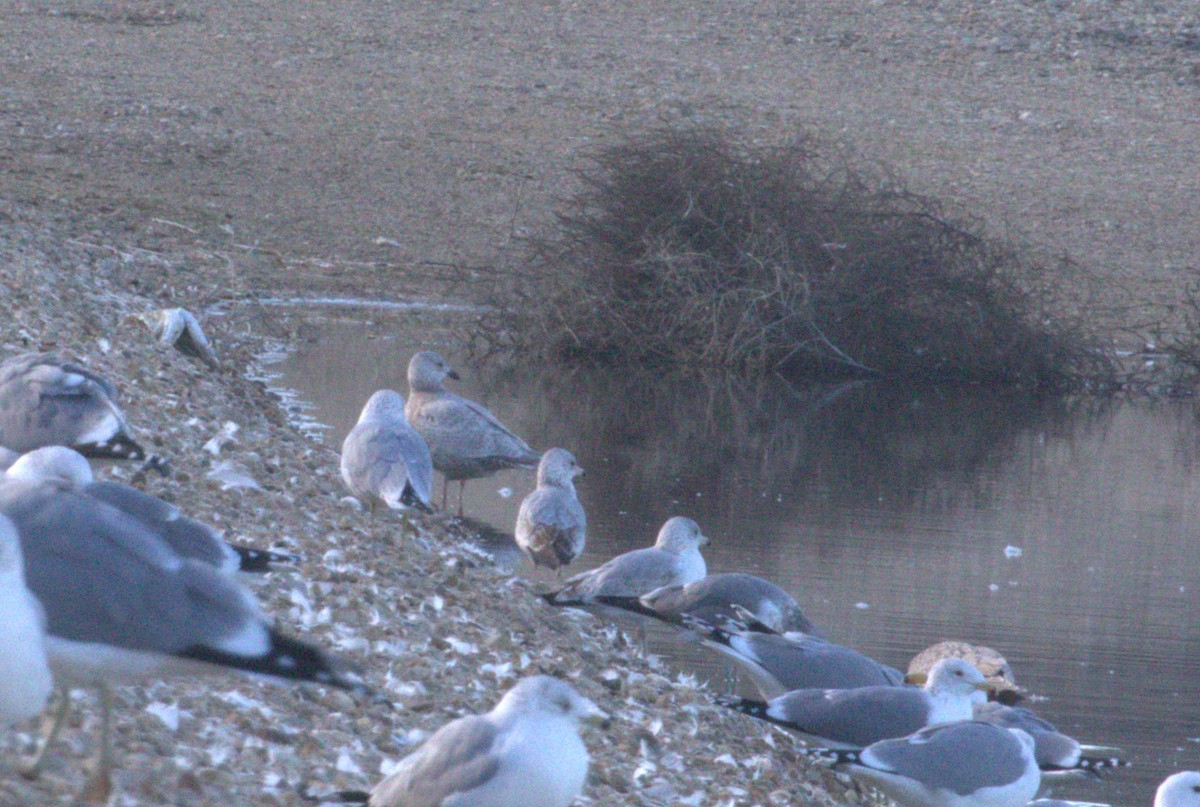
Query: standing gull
pixel 384 461
pixel 45 400
pixel 853 718
pixel 122 605
pixel 674 558
pixel 1179 790
pixel 465 439
pixel 551 525
pixel 187 537
pixel 526 752
pixel 964 764
pixel 780 663
pixel 25 681
pixel 718 597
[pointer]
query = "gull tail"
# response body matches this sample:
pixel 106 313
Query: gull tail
pixel 1091 766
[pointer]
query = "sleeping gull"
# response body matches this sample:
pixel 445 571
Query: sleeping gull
pixel 46 401
pixel 551 525
pixel 1179 790
pixel 779 663
pixel 25 680
pixel 384 461
pixel 963 764
pixel 526 752
pixel 122 605
pixel 853 718
pixel 465 439
pixel 674 558
pixel 721 596
pixel 187 537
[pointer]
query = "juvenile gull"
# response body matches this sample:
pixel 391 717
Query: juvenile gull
pixel 45 401
pixel 674 558
pixel 551 525
pixel 1179 790
pixel 964 764
pixel 721 596
pixel 780 663
pixel 526 752
pixel 25 680
pixel 465 439
pixel 853 718
pixel 384 460
pixel 189 538
pixel 987 660
pixel 122 605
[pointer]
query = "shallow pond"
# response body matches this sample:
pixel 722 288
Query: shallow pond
pixel 1063 533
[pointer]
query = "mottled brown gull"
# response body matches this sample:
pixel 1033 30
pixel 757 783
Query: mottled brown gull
pixel 384 460
pixel 45 401
pixel 465 439
pixel 674 558
pixel 551 525
pixel 526 752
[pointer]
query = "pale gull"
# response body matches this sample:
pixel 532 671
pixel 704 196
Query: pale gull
pixel 551 525
pixel 25 680
pixel 964 764
pixel 186 536
pixel 674 558
pixel 45 401
pixel 853 718
pixel 122 605
pixel 465 439
pixel 721 596
pixel 1179 790
pixel 780 663
pixel 384 460
pixel 526 752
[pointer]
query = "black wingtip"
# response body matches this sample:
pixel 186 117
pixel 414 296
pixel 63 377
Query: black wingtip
pixel 289 659
pixel 409 498
pixel 630 604
pixel 747 706
pixel 257 561
pixel 1092 766
pixel 336 797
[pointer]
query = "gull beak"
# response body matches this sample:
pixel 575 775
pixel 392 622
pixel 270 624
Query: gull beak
pixel 704 539
pixel 917 679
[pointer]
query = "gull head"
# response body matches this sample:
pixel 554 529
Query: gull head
pixel 680 534
pixel 426 372
pixel 558 467
pixel 952 676
pixel 543 694
pixel 384 404
pixel 1179 790
pixel 52 462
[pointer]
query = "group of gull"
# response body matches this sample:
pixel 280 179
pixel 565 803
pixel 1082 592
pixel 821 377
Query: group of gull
pixel 102 583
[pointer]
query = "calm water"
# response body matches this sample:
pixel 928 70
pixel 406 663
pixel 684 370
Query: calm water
pixel 886 513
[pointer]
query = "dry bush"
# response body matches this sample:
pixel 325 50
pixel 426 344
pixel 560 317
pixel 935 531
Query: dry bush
pixel 689 249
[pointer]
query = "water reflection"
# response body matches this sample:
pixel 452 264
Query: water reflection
pixel 893 515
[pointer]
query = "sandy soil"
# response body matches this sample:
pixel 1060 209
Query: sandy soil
pixel 166 153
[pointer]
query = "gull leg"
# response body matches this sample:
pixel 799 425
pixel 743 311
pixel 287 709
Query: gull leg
pixel 462 484
pixel 445 487
pixel 98 788
pixel 51 727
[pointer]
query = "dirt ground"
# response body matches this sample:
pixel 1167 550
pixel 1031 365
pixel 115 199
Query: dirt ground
pixel 165 152
pixel 369 144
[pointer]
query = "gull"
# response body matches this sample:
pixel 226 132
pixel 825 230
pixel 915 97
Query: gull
pixel 465 439
pixel 987 660
pixel 187 537
pixel 965 764
pixel 853 718
pixel 715 597
pixel 525 752
pixel 551 525
pixel 25 680
pixel 1055 752
pixel 45 400
pixel 1179 790
pixel 674 558
pixel 122 605
pixel 384 461
pixel 779 663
